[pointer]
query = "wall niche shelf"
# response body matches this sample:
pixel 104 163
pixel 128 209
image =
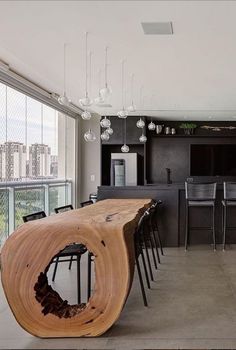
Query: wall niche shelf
pixel 159 153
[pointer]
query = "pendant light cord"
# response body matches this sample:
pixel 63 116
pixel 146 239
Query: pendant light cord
pixel 122 83
pixel 132 89
pixel 106 49
pixel 125 131
pixel 64 92
pixel 86 64
pixel 90 72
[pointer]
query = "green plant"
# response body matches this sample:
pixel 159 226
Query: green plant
pixel 188 126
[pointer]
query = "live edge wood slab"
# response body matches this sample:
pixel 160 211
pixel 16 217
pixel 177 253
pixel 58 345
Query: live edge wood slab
pixel 106 228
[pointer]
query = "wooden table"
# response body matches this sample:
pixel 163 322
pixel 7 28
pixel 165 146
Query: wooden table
pixel 106 228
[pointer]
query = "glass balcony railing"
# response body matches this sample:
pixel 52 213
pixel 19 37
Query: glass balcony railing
pixel 22 198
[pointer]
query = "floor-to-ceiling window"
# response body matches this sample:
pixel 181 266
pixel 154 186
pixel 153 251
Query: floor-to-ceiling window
pixel 37 164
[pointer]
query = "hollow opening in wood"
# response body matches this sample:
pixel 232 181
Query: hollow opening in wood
pixel 50 300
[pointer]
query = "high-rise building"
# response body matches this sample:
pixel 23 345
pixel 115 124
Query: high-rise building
pixel 12 161
pixel 54 166
pixel 39 160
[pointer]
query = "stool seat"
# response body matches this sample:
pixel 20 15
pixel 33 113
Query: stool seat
pixel 229 203
pixel 201 203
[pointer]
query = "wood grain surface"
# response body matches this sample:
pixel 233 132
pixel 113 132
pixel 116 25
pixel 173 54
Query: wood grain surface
pixel 106 228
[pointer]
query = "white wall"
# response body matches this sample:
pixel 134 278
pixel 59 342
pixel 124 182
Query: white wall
pixel 90 159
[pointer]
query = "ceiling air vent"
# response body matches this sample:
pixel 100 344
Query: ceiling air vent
pixel 157 28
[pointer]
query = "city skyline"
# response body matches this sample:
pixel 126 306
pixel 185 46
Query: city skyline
pixel 26 120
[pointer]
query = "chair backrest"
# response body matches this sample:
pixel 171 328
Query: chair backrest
pixel 230 190
pixel 34 216
pixel 84 204
pixel 63 208
pixel 200 191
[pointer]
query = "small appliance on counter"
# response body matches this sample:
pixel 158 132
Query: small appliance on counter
pixel 124 169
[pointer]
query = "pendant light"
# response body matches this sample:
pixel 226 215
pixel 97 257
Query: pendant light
pixel 86 101
pixel 143 138
pixel 86 115
pixel 63 99
pixel 105 136
pixel 151 125
pixel 140 123
pixel 125 148
pixel 89 136
pixel 105 123
pixel 100 99
pixel 106 91
pixel 109 130
pixel 123 113
pixel 132 107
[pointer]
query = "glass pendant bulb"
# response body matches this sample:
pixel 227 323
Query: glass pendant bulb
pixel 99 100
pixel 105 123
pixel 123 114
pixel 89 136
pixel 125 148
pixel 131 108
pixel 109 130
pixel 86 101
pixel 86 115
pixel 63 100
pixel 151 126
pixel 140 124
pixel 106 91
pixel 105 136
pixel 143 138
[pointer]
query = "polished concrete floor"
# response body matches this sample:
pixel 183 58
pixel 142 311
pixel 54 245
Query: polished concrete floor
pixel 192 305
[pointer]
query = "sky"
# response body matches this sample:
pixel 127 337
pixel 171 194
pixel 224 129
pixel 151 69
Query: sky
pixel 26 120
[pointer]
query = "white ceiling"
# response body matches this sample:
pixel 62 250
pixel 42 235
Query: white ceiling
pixel 190 74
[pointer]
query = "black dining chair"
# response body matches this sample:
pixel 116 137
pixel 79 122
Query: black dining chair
pixel 202 195
pixel 138 244
pixel 69 251
pixel 90 256
pixel 63 208
pixel 34 216
pixel 59 210
pixel 229 201
pixel 84 204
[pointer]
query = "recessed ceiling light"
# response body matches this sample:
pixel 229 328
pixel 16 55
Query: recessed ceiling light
pixel 157 28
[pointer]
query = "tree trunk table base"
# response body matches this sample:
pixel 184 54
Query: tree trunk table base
pixel 106 229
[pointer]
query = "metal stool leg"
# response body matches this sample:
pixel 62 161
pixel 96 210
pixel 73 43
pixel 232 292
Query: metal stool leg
pixel 141 282
pixel 186 227
pixel 55 270
pixel 89 276
pixel 213 228
pixel 225 225
pixel 78 279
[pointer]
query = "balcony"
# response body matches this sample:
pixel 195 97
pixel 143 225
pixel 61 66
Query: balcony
pixel 21 198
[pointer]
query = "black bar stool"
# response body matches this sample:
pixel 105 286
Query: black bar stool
pixel 201 195
pixel 228 201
